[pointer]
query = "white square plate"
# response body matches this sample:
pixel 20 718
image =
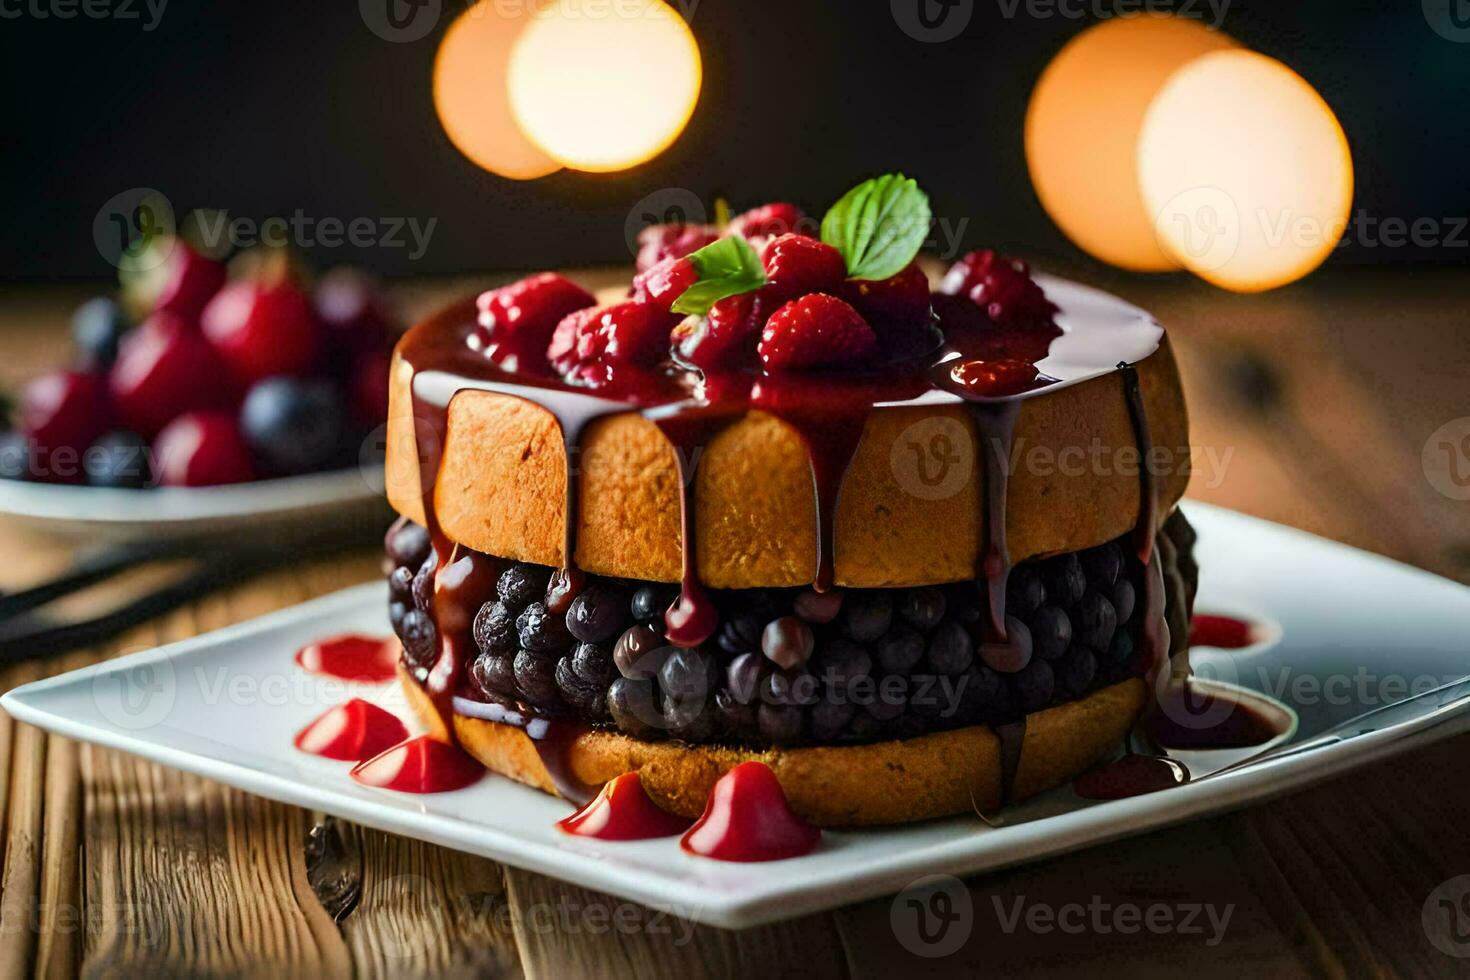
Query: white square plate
pixel 1351 632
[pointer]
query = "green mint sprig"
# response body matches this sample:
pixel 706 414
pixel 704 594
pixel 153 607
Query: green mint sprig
pixel 727 267
pixel 879 226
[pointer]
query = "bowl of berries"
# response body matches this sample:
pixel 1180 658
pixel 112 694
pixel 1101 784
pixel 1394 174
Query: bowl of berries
pixel 205 397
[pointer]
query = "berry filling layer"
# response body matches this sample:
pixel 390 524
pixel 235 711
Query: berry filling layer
pixel 787 667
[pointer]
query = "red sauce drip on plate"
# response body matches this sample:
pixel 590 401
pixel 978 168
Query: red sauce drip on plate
pixel 748 819
pixel 622 810
pixel 420 765
pixel 351 732
pixel 1132 775
pixel 1221 632
pixel 351 657
pixel 1190 719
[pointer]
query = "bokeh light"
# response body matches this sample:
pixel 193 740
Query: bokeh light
pixel 604 86
pixel 1246 170
pixel 1082 131
pixel 470 91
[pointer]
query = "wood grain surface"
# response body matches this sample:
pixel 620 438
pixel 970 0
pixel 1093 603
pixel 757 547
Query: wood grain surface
pixel 1310 406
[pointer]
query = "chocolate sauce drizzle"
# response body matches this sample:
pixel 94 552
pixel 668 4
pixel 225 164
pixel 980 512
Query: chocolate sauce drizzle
pixel 829 414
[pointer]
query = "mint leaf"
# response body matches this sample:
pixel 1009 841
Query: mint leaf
pixel 879 226
pixel 727 267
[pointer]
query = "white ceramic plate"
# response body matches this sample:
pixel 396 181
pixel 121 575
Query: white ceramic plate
pixel 100 513
pixel 227 704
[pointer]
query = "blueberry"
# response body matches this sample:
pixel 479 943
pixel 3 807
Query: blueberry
pixel 522 584
pixel 687 675
pixel 863 727
pixel 1102 565
pixel 295 426
pixel 494 675
pixel 598 614
pixel 639 653
pixel 922 608
pixel 1033 687
pixel 96 328
pixel 118 459
pixel 15 456
pixel 818 607
pixel 964 601
pixel 541 632
pixel 983 696
pixel 1122 648
pixel 575 690
pixel 950 650
pixel 423 582
pixel 829 720
pixel 780 724
pixel 396 612
pixel 1014 654
pixel 420 639
pixel 866 616
pixel 787 642
pixel 841 661
pixel 1051 631
pixel 495 629
pixel 899 650
pixel 1025 592
pixel 744 629
pixel 1096 620
pixel 737 718
pixel 631 704
pixel 562 588
pixel 649 603
pixel 407 543
pixel 536 679
pixel 400 585
pixel 1076 671
pixel 745 675
pixel 690 720
pixel 593 663
pixel 889 699
pixel 1065 581
pixel 1123 600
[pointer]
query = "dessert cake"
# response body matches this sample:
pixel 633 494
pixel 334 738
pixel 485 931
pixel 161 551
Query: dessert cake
pixel 915 550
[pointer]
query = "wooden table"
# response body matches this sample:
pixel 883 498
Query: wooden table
pixel 1320 396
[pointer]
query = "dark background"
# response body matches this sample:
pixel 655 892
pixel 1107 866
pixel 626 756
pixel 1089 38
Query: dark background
pixel 269 106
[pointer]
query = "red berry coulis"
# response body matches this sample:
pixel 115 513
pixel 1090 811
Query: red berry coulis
pixel 351 657
pixel 351 732
pixel 748 819
pixel 622 810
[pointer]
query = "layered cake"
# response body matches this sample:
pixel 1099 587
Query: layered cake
pixel 915 549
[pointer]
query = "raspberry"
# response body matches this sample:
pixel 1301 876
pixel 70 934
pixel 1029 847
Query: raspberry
pixel 659 242
pixel 1002 287
pixel 769 221
pixel 520 318
pixel 902 298
pixel 664 283
pixel 815 331
pixel 588 342
pixel 796 265
pixel 724 337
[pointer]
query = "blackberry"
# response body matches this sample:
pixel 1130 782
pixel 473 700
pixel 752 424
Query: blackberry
pixel 1076 672
pixel 818 607
pixel 420 639
pixel 1124 600
pixel 400 584
pixel 639 653
pixel 780 724
pixel 407 544
pixel 649 602
pixel 536 679
pixel 522 584
pixel 1102 565
pixel 1051 632
pixel 1065 581
pixel 1033 687
pixel 841 661
pixel 950 650
pixel 541 632
pixel 1096 621
pixel 1025 592
pixel 900 650
pixel 691 720
pixel 787 642
pixel 495 629
pixel 575 690
pixel 1015 654
pixel 829 720
pixel 598 614
pixel 687 675
pixel 866 616
pixel 494 675
pixel 593 663
pixel 423 582
pixel 922 608
pixel 744 677
pixel 396 612
pixel 631 705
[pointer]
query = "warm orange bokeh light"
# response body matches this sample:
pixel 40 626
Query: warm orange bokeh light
pixel 470 91
pixel 603 86
pixel 1246 170
pixel 1082 131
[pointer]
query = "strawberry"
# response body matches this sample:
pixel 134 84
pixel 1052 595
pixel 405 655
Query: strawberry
pixel 664 283
pixel 723 338
pixel 816 330
pixel 520 319
pixel 796 265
